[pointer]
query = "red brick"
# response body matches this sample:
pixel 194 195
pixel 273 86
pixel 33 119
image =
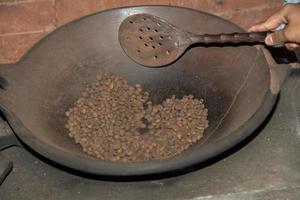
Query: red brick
pixel 68 10
pixel 21 16
pixel 11 1
pixel 28 16
pixel 217 6
pixel 13 47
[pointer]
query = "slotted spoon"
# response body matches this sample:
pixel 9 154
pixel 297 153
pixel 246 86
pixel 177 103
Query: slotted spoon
pixel 153 42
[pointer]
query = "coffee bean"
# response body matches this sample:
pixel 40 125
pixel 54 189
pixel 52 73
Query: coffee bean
pixel 106 121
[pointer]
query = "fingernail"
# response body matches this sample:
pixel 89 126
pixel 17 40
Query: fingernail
pixel 250 29
pixel 269 40
pixel 294 45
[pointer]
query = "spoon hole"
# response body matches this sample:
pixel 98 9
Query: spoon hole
pixel 155 57
pixel 159 44
pixel 148 28
pixel 155 30
pixel 138 51
pixel 151 38
pixel 153 47
pixel 146 45
pixel 167 52
pixel 140 37
pixel 161 37
pixel 131 22
pixel 144 19
pixel 141 30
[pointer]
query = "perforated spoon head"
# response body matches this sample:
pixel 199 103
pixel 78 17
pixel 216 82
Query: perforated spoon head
pixel 151 41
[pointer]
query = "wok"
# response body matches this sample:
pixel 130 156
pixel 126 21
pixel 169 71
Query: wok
pixel 238 84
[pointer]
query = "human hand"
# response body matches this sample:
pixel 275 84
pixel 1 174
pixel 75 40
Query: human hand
pixel 290 35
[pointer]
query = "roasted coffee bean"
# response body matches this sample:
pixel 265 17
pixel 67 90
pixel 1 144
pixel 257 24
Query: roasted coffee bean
pixel 116 122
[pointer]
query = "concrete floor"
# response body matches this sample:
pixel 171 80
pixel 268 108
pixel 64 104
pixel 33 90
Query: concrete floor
pixel 268 167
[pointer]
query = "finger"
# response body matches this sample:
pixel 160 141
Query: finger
pixel 278 37
pixel 272 22
pixel 291 46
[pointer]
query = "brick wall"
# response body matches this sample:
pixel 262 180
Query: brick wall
pixel 24 22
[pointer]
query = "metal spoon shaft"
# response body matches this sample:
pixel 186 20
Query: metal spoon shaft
pixel 251 37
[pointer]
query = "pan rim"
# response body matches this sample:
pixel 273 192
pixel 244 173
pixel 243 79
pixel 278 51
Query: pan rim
pixel 97 167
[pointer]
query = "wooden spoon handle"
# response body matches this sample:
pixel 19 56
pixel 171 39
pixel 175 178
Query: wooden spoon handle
pixel 251 37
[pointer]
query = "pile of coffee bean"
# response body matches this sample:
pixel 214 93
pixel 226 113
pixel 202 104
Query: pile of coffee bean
pixel 117 122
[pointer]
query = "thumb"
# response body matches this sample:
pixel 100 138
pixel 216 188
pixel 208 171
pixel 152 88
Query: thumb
pixel 278 37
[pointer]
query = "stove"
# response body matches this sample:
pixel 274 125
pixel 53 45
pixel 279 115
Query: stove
pixel 266 166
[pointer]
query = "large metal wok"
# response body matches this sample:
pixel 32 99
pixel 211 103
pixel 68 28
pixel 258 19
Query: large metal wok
pixel 239 86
